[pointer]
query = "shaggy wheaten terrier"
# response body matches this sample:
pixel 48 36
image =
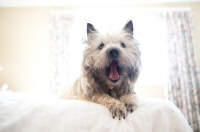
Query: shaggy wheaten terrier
pixel 110 67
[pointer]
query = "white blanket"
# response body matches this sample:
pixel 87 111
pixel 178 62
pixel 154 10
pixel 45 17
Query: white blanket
pixel 22 112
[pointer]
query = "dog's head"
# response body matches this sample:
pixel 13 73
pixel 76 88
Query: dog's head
pixel 112 58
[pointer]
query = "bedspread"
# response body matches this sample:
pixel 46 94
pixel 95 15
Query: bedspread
pixel 23 112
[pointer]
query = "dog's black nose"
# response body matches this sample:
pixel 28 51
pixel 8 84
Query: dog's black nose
pixel 113 53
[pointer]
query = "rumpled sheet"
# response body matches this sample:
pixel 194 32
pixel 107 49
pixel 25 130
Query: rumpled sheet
pixel 25 112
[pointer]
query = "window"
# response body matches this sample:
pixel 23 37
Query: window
pixel 151 34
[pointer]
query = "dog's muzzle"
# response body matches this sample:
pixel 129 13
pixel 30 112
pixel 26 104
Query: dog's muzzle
pixel 113 69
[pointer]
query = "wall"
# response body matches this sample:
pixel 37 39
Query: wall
pixel 25 46
pixel 1 17
pixel 25 49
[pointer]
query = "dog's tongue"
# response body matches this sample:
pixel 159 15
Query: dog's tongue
pixel 114 75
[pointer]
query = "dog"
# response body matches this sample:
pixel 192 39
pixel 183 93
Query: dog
pixel 110 67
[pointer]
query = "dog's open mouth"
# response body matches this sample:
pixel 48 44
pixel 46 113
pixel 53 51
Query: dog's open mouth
pixel 113 71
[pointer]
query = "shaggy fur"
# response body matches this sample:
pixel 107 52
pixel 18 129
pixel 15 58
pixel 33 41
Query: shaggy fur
pixel 94 83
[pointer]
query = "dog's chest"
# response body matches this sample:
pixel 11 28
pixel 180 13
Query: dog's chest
pixel 112 93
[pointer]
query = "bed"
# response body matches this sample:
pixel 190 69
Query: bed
pixel 28 112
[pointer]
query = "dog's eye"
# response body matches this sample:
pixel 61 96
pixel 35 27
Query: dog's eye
pixel 123 45
pixel 101 46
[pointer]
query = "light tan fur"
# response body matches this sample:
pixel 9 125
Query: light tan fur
pixel 93 83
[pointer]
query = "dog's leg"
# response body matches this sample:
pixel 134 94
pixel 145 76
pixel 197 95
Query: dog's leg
pixel 130 101
pixel 116 107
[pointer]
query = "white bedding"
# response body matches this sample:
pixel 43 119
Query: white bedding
pixel 22 112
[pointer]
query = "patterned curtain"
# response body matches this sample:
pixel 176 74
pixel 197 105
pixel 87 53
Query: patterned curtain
pixel 184 76
pixel 59 31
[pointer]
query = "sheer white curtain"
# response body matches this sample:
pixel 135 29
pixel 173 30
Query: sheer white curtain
pixel 59 31
pixel 184 77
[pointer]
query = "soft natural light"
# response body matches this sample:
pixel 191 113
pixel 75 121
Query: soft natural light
pixel 151 34
pixel 153 40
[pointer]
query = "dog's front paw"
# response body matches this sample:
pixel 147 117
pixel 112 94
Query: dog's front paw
pixel 130 106
pixel 130 101
pixel 118 110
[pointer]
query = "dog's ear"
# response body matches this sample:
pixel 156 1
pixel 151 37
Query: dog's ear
pixel 129 27
pixel 90 28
